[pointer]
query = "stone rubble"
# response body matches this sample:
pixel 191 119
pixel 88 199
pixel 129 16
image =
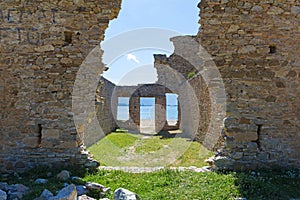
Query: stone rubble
pixel 124 194
pixel 79 190
pixel 63 175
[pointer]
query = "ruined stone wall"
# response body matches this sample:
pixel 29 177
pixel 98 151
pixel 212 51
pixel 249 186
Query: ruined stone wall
pixel 105 116
pixel 42 45
pixel 255 45
pixel 135 93
pixel 174 69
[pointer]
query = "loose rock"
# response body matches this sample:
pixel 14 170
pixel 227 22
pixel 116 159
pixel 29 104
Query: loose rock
pixel 3 195
pixel 84 197
pixel 63 175
pixel 41 181
pixel 81 190
pixel 46 194
pixel 124 194
pixel 67 193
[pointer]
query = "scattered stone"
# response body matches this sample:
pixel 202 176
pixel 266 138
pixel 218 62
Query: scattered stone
pixel 17 191
pixel 63 175
pixel 67 193
pixel 3 195
pixel 84 197
pixel 94 186
pixel 4 186
pixel 81 190
pixel 124 194
pixel 46 194
pixel 92 164
pixel 41 181
pixel 49 174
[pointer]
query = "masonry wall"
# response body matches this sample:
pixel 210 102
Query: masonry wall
pixel 183 77
pixel 255 45
pixel 105 116
pixel 43 43
pixel 135 93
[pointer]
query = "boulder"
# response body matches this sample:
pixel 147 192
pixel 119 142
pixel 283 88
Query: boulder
pixel 95 186
pixel 124 194
pixel 41 181
pixel 46 194
pixel 17 191
pixel 81 190
pixel 3 195
pixel 4 186
pixel 84 197
pixel 63 175
pixel 67 193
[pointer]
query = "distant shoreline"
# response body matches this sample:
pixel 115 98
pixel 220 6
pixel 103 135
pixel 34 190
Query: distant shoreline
pixel 143 105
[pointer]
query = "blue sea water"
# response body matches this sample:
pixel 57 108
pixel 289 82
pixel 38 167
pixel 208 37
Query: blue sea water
pixel 147 112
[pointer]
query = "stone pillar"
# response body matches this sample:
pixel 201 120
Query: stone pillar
pixel 160 112
pixel 134 111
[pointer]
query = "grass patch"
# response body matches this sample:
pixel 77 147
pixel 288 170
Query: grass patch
pixel 167 184
pixel 124 149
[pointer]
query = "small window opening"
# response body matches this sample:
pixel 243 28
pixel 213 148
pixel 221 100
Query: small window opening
pixel 40 129
pixel 123 108
pixel 272 49
pixel 68 37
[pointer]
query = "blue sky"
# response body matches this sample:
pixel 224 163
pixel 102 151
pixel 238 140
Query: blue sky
pixel 136 66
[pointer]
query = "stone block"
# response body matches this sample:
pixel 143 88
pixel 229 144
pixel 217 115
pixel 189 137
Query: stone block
pixel 50 133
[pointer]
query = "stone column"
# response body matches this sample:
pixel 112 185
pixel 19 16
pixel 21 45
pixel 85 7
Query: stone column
pixel 160 112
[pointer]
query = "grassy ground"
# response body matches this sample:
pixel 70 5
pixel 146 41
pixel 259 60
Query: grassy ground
pixel 130 150
pixel 166 184
pixel 125 149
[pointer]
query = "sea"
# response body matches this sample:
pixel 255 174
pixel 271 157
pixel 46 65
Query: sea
pixel 147 112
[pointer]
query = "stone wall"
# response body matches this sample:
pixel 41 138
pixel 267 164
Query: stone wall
pixel 194 97
pixel 43 43
pixel 255 45
pixel 104 113
pixel 135 93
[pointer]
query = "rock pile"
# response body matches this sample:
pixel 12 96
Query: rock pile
pixel 69 192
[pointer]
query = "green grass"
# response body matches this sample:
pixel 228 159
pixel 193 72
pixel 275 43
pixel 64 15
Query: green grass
pixel 125 149
pixel 129 149
pixel 167 184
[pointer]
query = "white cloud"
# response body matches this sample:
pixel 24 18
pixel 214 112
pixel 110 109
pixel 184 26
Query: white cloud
pixel 132 57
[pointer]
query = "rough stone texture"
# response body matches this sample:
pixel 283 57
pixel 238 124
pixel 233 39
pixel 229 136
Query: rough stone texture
pixel 255 46
pixel 63 175
pixel 124 194
pixel 3 195
pixel 105 115
pixel 164 65
pixel 67 193
pixel 43 43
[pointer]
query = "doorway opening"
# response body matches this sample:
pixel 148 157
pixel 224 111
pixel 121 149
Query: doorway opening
pixel 147 115
pixel 172 109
